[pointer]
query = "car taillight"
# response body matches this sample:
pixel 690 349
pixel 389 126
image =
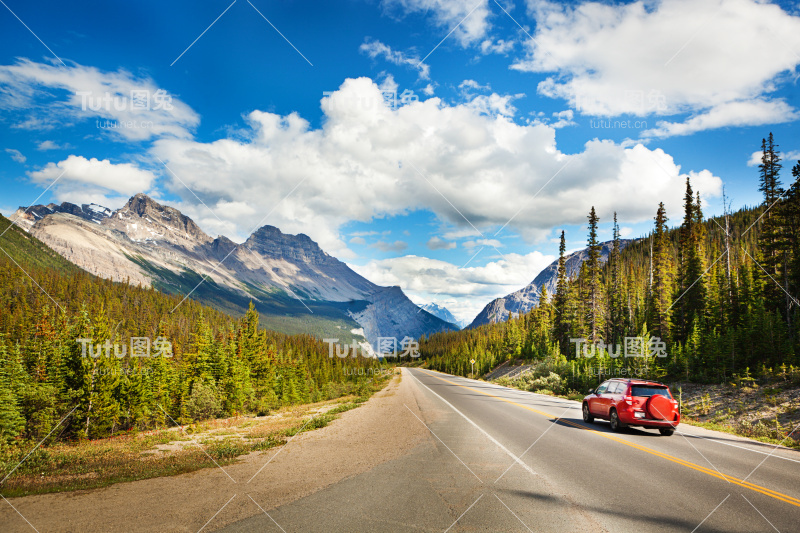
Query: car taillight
pixel 629 400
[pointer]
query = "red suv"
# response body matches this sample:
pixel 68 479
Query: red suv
pixel 633 402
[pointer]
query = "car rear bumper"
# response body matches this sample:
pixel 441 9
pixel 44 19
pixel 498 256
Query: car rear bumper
pixel 627 415
pixel 648 422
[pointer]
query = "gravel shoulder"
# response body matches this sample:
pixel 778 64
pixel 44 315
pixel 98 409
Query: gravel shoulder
pixel 769 412
pixel 377 432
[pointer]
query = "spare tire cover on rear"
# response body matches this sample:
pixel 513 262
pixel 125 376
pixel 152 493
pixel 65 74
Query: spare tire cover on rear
pixel 659 407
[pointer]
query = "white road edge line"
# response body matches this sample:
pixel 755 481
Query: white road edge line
pixel 712 439
pixel 508 452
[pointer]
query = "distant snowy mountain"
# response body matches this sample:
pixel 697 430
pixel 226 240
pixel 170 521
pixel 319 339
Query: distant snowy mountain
pixel 26 218
pixel 443 313
pixel 527 297
pixel 295 285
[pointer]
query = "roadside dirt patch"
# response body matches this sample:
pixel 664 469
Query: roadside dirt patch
pixel 770 410
pixel 244 428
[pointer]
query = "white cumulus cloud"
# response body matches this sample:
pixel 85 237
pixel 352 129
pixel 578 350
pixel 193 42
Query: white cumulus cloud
pixel 754 112
pixel 716 60
pixel 81 180
pixel 500 46
pixel 468 166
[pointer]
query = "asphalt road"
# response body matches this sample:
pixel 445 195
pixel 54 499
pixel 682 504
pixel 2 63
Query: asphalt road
pixel 505 460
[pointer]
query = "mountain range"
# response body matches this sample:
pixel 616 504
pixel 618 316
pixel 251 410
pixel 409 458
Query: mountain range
pixel 527 298
pixel 295 285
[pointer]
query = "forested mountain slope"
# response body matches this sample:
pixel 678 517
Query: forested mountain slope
pixel 220 365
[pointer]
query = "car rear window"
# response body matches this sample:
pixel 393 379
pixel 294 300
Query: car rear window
pixel 649 390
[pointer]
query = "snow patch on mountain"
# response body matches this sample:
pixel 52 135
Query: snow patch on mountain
pixel 27 217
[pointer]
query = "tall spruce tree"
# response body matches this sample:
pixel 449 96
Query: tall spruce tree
pixel 616 318
pixel 771 256
pixel 593 291
pixel 660 296
pixel 699 291
pixel 690 297
pixel 560 300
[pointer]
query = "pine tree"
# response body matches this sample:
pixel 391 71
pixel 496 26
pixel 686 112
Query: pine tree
pixel 769 171
pixel 731 291
pixel 699 292
pixel 514 337
pixel 690 298
pixel 560 301
pixel 770 246
pixel 662 277
pixel 201 358
pixel 11 420
pixel 615 329
pixel 593 294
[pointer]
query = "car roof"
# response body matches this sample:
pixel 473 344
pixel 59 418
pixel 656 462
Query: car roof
pixel 638 381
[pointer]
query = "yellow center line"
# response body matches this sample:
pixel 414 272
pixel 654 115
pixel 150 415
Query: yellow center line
pixel 746 484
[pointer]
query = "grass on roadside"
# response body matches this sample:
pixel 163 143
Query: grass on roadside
pixel 167 452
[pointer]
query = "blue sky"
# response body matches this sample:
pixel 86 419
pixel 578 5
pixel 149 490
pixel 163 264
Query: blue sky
pixel 511 119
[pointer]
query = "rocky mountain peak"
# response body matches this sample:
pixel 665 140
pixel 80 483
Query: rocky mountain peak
pixel 142 206
pixel 271 242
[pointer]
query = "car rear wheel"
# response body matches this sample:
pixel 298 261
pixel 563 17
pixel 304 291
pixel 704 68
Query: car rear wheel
pixel 616 425
pixel 666 431
pixel 587 416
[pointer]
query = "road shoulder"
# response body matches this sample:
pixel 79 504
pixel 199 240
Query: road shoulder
pixel 375 433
